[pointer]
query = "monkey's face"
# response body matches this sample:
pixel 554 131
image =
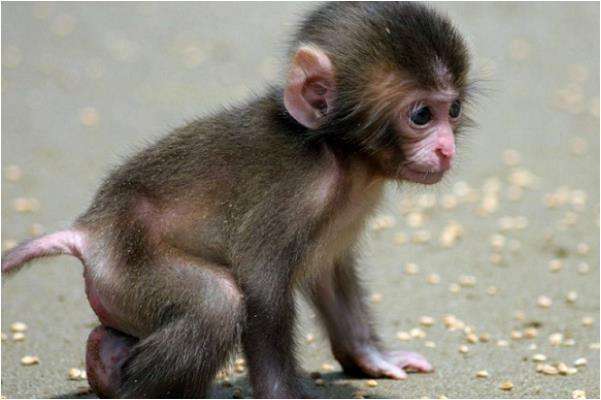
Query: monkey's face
pixel 424 132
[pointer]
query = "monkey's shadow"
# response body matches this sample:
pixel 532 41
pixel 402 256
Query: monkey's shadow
pixel 337 386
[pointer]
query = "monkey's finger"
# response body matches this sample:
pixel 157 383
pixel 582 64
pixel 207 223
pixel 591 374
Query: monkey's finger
pixel 394 372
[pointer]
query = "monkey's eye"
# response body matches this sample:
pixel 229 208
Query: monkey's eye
pixel 455 109
pixel 421 116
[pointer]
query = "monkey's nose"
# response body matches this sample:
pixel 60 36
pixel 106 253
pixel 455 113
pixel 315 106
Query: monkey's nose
pixel 445 158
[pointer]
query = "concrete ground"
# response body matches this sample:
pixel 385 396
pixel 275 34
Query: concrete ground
pixel 84 85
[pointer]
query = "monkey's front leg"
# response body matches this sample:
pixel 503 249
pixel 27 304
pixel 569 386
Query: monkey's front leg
pixel 339 299
pixel 268 343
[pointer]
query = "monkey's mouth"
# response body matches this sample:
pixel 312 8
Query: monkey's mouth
pixel 426 177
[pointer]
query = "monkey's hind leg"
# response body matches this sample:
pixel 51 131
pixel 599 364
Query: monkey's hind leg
pixel 192 313
pixel 200 314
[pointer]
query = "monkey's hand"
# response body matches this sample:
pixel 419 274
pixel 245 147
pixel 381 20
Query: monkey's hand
pixel 370 361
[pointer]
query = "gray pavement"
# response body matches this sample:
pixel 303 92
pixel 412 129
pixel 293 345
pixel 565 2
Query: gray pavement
pixel 84 85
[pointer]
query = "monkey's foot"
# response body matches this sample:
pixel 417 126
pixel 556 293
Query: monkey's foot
pixel 384 364
pixel 106 351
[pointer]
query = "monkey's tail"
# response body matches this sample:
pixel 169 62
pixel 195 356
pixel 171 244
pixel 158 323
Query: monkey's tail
pixel 68 241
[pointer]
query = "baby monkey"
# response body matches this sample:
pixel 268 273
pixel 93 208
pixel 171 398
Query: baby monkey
pixel 200 241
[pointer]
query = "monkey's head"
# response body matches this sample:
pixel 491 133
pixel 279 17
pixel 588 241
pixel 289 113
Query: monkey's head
pixel 386 80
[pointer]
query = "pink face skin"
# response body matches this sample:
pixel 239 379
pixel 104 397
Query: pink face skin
pixel 429 148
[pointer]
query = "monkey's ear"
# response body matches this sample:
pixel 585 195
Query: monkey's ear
pixel 309 92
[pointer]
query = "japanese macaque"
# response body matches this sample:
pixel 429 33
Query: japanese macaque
pixel 200 241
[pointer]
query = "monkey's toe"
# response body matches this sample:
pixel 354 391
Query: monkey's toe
pixel 106 351
pixel 384 364
pixel 409 361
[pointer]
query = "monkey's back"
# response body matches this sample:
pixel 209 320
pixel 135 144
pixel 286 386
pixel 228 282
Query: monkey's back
pixel 196 187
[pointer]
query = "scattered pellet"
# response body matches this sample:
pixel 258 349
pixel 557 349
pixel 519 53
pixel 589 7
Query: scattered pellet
pixel 26 204
pixel 582 248
pixel 454 288
pixel 376 297
pixel 482 374
pixel 571 371
pixel 579 394
pixel 415 219
pixel 471 338
pixel 310 338
pixel 400 238
pixel 433 279
pixel 579 146
pixel 506 385
pixel 36 229
pixel 430 344
pixel 484 337
pixel 580 362
pixel 450 234
pixel 467 281
pixel 319 382
pixel 532 346
pixel 583 268
pixel 548 369
pixel 417 333
pixel 13 173
pixel 587 321
pixel 568 342
pixel 571 297
pixel 502 343
pixel 76 374
pixel 449 202
pixel 18 336
pixel 520 315
pixel 497 241
pixel 555 339
pixel 544 301
pixel 555 265
pixel 562 368
pixel 404 336
pixel 9 244
pixel 496 258
pixel 464 349
pixel 372 383
pixel 594 346
pixel 30 360
pixel 539 358
pixel 530 333
pixel 18 327
pixel 411 268
pixel 383 222
pixel 327 367
pixel 421 237
pixel 492 290
pixel 426 320
pixel 516 335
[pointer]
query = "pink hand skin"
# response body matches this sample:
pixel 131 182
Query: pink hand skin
pixel 372 362
pixel 338 299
